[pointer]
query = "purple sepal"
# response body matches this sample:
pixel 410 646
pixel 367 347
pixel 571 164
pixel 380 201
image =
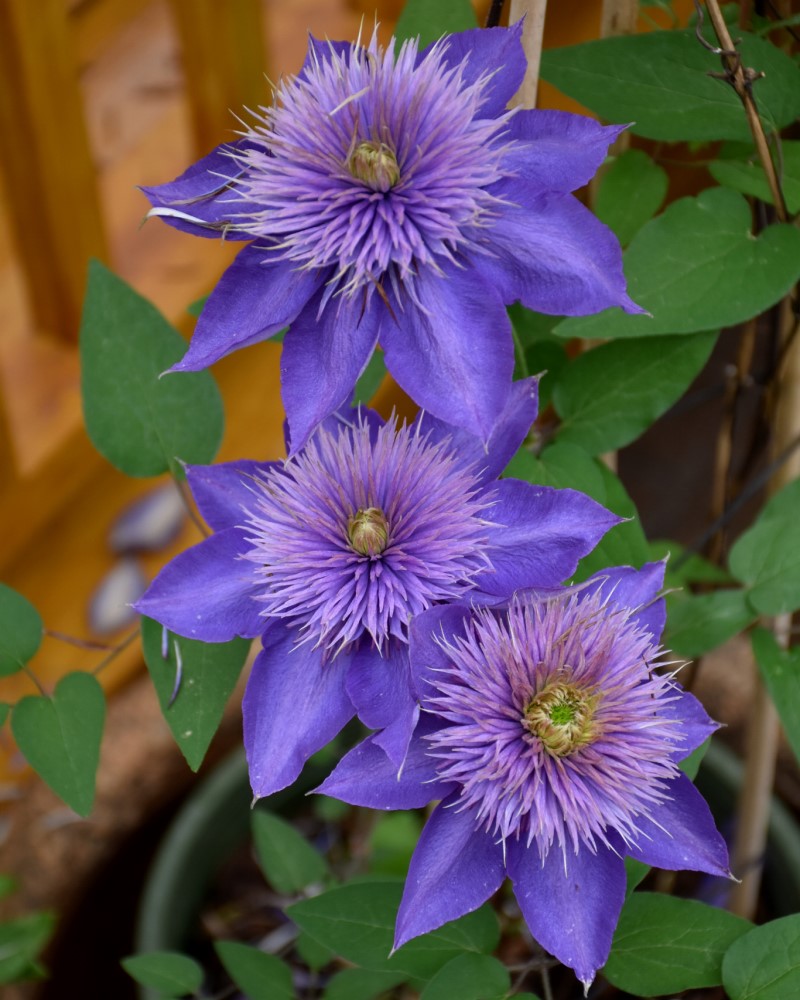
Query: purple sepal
pixel 425 653
pixel 293 706
pixel 379 687
pixel 207 592
pixel 554 255
pixel 538 535
pixel 206 192
pixel 571 904
pixel 556 150
pixel 455 868
pixel 320 50
pixel 509 432
pixel 495 53
pixel 694 723
pixel 453 354
pixel 257 296
pixel 626 587
pixel 323 356
pixel 682 834
pixel 366 777
pixel 223 492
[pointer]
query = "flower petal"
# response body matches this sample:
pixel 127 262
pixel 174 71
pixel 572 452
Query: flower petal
pixel 321 50
pixel 571 904
pixel 293 706
pixel 425 654
pixel 452 353
pixel 538 535
pixel 366 777
pixel 257 296
pixel 222 492
pixel 681 834
pixel 554 255
pixel 556 150
pixel 380 688
pixel 495 53
pixel 323 356
pixel 509 431
pixel 205 192
pixel 696 725
pixel 207 592
pixel 638 589
pixel 455 868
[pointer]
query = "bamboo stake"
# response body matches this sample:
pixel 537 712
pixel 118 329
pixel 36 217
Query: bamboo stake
pixel 532 32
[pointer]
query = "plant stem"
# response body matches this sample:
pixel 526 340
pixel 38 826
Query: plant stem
pixel 123 644
pixel 742 83
pixel 532 32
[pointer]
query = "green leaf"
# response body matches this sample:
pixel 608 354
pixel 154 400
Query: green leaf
pixel 21 940
pixel 699 623
pixel 143 424
pixel 635 872
pixel 430 19
pixel 357 922
pixel 767 556
pixel 664 944
pixel 166 971
pixel 698 267
pixel 288 861
pixel 764 964
pixel 258 975
pixel 5 711
pixel 315 955
pixel 20 631
pixel 691 765
pixel 611 394
pixel 781 672
pixel 659 82
pixel 8 885
pixel 694 569
pixel 60 737
pixel 208 675
pixel 744 172
pixel 624 545
pixel 361 984
pixel 468 977
pixel 370 380
pixel 392 843
pixel 631 191
pixel 196 307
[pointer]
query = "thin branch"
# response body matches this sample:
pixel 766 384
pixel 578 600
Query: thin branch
pixel 742 79
pixel 123 644
pixel 75 641
pixel 495 13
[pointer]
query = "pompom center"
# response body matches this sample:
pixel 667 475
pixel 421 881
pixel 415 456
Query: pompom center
pixel 561 716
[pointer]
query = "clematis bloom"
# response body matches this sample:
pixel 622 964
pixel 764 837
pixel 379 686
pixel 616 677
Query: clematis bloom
pixel 392 198
pixel 553 742
pixel 329 556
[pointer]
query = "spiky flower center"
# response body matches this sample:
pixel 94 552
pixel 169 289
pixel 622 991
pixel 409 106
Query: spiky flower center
pixel 363 529
pixel 556 726
pixel 561 716
pixel 368 531
pixel 375 164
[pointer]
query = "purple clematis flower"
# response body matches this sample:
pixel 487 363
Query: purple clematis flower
pixel 330 554
pixel 390 197
pixel 553 744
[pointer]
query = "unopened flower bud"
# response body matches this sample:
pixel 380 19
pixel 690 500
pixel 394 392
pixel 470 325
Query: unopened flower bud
pixel 375 164
pixel 368 531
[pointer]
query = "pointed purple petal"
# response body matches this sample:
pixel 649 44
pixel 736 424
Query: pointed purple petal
pixel 556 150
pixel 380 688
pixel 205 192
pixel 492 52
pixel 554 255
pixel 323 357
pixel 222 492
pixel 538 535
pixel 509 432
pixel 682 834
pixel 425 654
pixel 207 592
pixel 366 777
pixel 696 725
pixel 257 296
pixel 321 50
pixel 455 868
pixel 638 589
pixel 572 913
pixel 293 706
pixel 454 355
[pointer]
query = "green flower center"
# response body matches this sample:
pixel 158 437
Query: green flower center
pixel 368 531
pixel 562 717
pixel 375 164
